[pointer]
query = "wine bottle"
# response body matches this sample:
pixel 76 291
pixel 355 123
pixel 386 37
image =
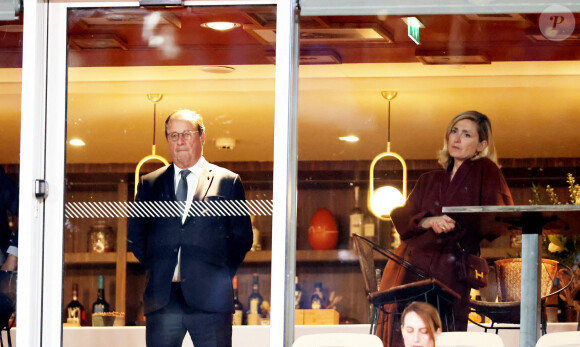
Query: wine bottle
pixel 255 302
pixel 317 301
pixel 369 228
pixel 238 318
pixel 101 305
pixel 356 218
pixel 297 294
pixel 75 311
pixel 256 244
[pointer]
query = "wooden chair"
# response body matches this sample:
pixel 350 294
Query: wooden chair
pixel 427 289
pixel 507 307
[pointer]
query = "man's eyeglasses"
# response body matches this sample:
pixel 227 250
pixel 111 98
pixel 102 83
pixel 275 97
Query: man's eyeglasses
pixel 186 135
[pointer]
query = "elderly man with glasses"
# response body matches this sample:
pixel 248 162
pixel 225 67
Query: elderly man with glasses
pixel 190 242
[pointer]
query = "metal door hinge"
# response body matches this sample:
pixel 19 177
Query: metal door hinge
pixel 40 189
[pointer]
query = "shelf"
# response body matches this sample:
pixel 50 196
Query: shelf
pixel 334 255
pixel 500 253
pixel 310 256
pixel 90 258
pixel 131 258
pixel 349 256
pixel 302 256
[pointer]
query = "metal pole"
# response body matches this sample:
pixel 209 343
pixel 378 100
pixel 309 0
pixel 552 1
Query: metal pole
pixel 285 176
pixel 154 119
pixel 530 286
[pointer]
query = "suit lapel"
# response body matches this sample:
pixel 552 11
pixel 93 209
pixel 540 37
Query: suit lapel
pixel 203 184
pixel 168 179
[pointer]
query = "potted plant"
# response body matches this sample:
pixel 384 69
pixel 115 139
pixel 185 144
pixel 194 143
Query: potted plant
pixel 565 250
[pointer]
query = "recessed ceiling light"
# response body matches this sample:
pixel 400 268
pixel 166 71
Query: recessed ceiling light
pixel 221 26
pixel 77 142
pixel 450 57
pixel 218 69
pixel 350 138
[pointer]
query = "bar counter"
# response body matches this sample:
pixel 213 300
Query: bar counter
pixel 243 336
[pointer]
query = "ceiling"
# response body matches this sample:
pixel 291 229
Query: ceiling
pixel 525 83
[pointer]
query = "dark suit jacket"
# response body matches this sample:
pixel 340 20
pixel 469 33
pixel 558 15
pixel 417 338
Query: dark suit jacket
pixel 476 183
pixel 8 203
pixel 212 247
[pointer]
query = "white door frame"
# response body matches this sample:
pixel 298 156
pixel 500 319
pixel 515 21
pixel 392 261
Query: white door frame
pixel 43 135
pixel 43 127
pixel 32 166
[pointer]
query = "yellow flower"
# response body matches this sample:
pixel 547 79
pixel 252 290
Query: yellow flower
pixel 554 248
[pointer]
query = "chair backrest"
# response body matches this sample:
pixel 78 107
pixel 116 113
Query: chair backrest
pixel 365 249
pixel 509 277
pixel 560 339
pixel 468 339
pixel 338 340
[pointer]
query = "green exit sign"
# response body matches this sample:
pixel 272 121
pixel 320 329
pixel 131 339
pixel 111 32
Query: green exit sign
pixel 413 26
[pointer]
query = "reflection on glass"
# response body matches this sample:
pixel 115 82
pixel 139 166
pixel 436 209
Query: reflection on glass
pixel 11 27
pixel 464 62
pixel 119 62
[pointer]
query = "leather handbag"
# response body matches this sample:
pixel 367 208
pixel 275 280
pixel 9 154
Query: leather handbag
pixel 473 270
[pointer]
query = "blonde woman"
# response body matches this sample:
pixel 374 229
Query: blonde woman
pixel 469 176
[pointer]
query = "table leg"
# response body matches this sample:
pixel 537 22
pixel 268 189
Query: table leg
pixel 530 291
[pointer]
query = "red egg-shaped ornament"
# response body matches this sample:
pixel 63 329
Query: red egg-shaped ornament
pixel 323 232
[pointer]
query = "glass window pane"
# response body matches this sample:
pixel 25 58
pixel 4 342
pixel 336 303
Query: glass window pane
pixel 460 62
pixel 11 28
pixel 128 69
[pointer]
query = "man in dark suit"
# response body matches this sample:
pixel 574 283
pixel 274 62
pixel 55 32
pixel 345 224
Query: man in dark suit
pixel 192 257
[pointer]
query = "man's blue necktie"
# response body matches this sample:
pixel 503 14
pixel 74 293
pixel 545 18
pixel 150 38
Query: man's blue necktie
pixel 181 194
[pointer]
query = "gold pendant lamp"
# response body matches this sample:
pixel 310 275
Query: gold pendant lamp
pixel 384 199
pixel 154 98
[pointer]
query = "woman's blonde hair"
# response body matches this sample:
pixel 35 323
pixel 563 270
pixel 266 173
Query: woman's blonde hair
pixel 483 130
pixel 428 314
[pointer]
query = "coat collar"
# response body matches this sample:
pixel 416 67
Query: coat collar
pixel 450 187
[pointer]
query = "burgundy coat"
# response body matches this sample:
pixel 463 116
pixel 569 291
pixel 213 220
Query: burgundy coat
pixel 476 183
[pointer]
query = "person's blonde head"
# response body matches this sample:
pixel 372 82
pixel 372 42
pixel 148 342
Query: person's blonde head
pixel 483 130
pixel 428 315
